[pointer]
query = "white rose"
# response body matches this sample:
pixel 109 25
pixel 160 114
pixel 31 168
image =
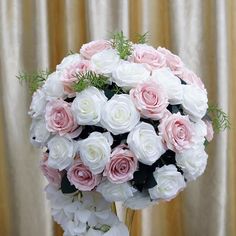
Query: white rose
pixel 194 102
pixel 53 86
pixel 140 200
pixel 128 75
pixel 38 104
pixel 95 151
pixel 119 114
pixel 170 83
pixel 39 134
pixel 61 152
pixel 87 106
pixel 115 192
pixel 105 61
pixel 67 61
pixel 169 183
pixel 192 161
pixel 145 143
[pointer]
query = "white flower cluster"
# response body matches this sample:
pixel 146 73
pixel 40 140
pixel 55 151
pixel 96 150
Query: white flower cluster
pixel 138 139
pixel 84 214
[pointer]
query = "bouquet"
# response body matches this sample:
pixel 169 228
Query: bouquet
pixel 118 122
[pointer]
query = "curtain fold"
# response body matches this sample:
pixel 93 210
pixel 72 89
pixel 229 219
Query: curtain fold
pixel 36 35
pixel 231 198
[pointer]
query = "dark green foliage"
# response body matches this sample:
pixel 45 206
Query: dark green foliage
pixel 33 80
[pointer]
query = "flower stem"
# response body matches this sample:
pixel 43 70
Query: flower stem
pixel 129 218
pixel 113 208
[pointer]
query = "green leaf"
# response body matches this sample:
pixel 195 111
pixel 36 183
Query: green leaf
pixel 104 228
pixel 142 38
pixel 71 52
pixel 117 90
pixel 33 80
pixel 220 120
pixel 90 78
pixel 122 45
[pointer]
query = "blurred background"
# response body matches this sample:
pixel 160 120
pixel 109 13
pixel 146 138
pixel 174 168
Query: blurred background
pixel 35 35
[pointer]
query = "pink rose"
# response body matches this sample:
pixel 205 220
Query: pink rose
pixel 177 132
pixel 122 165
pixel 59 118
pixel 191 78
pixel 148 56
pixel 53 176
pixel 68 76
pixel 82 177
pixel 150 99
pixel 172 61
pixel 210 130
pixel 89 49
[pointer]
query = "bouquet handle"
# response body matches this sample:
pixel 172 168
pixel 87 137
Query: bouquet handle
pixel 129 218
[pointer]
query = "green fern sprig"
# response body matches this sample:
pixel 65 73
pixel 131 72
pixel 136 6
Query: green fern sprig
pixel 142 38
pixel 33 80
pixel 71 52
pixel 220 119
pixel 90 78
pixel 122 45
pixel 117 90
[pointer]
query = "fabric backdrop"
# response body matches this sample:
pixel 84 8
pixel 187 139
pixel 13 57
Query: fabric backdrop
pixel 38 34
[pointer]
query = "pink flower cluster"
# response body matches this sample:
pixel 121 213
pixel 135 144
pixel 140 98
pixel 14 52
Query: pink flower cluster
pixel 138 139
pixel 119 169
pixel 161 57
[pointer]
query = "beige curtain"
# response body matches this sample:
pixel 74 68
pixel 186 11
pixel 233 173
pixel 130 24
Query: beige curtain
pixel 36 34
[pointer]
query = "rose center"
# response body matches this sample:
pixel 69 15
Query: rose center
pixel 150 97
pixel 120 115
